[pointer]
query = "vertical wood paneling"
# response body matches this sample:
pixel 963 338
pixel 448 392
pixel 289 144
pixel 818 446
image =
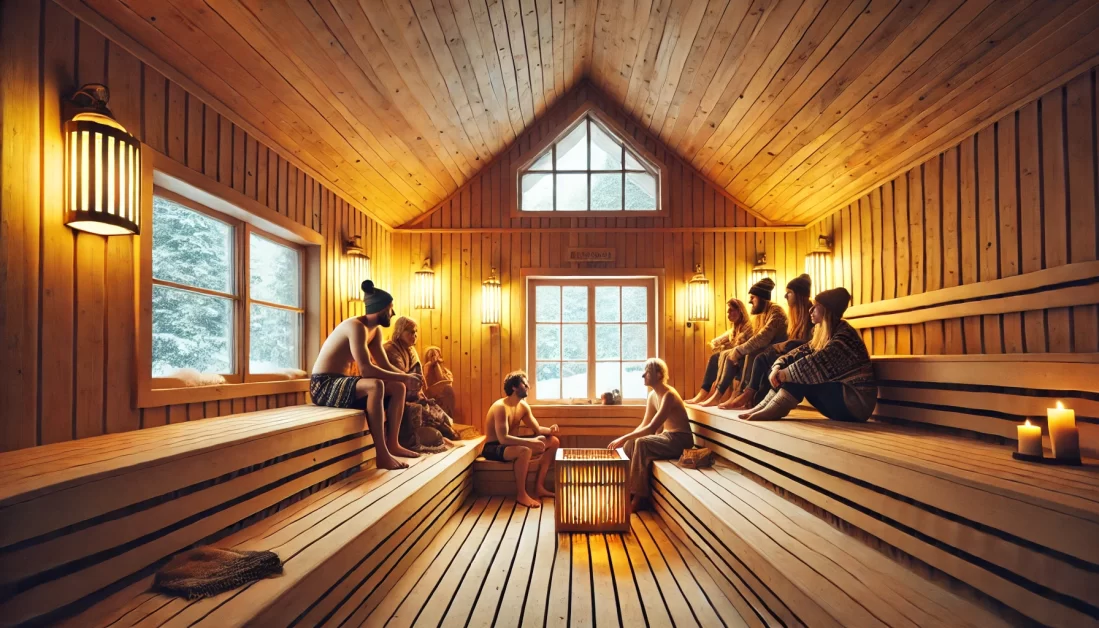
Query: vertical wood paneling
pixel 68 319
pixel 1019 196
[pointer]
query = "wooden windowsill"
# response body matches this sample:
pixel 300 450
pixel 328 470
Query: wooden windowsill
pixel 156 397
pixel 548 410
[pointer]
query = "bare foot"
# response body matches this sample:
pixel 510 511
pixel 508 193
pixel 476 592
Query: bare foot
pixel 397 450
pixel 528 501
pixel 743 400
pixel 389 462
pixel 713 400
pixel 698 397
pixel 542 492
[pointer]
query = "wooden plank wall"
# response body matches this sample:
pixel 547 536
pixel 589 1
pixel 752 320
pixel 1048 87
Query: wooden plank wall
pixel 1018 196
pixel 66 298
pixel 480 355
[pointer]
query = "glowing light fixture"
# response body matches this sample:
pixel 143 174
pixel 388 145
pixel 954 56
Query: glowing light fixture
pixel 102 168
pixel 490 300
pixel 818 264
pixel 592 495
pixel 761 269
pixel 358 267
pixel 698 296
pixel 423 287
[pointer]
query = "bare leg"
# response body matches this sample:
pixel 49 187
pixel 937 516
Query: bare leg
pixel 521 457
pixel 712 400
pixel 702 394
pixel 745 399
pixel 540 490
pixel 373 391
pixel 395 413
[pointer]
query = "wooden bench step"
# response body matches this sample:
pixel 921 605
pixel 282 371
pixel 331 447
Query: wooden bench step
pixel 82 519
pixel 336 546
pixel 491 477
pixel 1022 534
pixel 799 568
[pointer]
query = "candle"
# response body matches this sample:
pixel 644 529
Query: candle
pixel 1030 439
pixel 1062 432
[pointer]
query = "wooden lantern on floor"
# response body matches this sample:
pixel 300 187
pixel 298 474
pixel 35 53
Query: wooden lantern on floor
pixel 592 491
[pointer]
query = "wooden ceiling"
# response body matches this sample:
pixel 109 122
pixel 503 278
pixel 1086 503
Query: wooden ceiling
pixel 796 107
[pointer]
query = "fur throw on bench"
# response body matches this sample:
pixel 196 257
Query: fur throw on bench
pixel 207 571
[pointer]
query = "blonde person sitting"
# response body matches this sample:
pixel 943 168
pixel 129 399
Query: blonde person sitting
pixel 662 435
pixel 832 371
pixel 740 330
pixel 439 380
pixel 426 428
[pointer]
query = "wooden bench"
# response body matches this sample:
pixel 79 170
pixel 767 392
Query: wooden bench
pixel 990 394
pixel 92 519
pixel 498 478
pixel 792 567
pixel 1020 533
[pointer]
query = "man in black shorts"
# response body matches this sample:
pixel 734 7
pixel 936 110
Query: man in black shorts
pixel 502 445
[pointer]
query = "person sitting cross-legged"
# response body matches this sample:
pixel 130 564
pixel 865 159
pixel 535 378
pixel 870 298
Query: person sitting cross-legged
pixel 662 435
pixel 832 371
pixel 502 443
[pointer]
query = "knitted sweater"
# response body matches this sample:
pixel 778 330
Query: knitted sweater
pixel 771 330
pixel 732 337
pixel 844 360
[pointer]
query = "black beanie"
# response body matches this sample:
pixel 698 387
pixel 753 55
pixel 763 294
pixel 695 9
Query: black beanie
pixel 835 300
pixel 763 288
pixel 375 299
pixel 800 285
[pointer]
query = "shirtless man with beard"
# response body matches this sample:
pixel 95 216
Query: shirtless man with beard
pixel 359 340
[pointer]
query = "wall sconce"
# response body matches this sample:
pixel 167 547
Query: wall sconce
pixel 761 269
pixel 423 287
pixel 354 246
pixel 490 299
pixel 818 264
pixel 698 297
pixel 102 167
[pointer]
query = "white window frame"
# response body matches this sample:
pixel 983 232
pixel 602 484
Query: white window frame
pixel 612 127
pixel 653 279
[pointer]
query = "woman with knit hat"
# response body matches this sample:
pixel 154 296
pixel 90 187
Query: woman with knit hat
pixel 756 384
pixel 832 371
pixel 768 327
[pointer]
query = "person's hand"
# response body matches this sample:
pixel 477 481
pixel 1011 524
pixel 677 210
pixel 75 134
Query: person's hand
pixel 735 355
pixel 776 378
pixel 414 382
pixel 538 445
pixel 617 443
pixel 554 430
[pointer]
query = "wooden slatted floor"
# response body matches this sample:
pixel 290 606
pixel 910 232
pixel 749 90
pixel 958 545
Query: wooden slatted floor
pixel 498 564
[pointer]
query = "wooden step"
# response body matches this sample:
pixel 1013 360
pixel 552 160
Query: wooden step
pixel 795 567
pixel 338 546
pixel 81 518
pixel 491 477
pixel 1022 534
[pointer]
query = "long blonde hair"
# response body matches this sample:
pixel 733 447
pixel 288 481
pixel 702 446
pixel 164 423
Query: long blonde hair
pixel 745 319
pixel 822 331
pixel 799 317
pixel 400 326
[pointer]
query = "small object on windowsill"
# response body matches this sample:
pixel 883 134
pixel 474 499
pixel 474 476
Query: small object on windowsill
pixel 189 378
pixel 612 398
pixel 1069 462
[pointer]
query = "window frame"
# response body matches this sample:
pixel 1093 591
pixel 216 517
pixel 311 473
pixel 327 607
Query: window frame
pixel 167 177
pixel 609 125
pixel 242 292
pixel 652 278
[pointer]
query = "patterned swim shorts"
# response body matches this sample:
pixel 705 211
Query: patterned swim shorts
pixel 333 390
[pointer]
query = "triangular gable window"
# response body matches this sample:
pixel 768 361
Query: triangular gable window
pixel 589 168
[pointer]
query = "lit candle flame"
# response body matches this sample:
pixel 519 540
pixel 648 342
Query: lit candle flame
pixel 1028 422
pixel 1060 406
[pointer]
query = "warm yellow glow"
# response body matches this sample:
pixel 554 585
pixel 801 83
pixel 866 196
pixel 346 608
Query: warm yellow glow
pixel 818 264
pixel 490 300
pixel 104 165
pixel 698 297
pixel 761 269
pixel 1060 406
pixel 1028 422
pixel 423 288
pixel 592 494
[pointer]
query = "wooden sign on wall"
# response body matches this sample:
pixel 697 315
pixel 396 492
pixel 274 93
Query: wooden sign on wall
pixel 585 255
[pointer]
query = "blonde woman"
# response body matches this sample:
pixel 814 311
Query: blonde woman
pixel 439 380
pixel 832 370
pixel 427 425
pixel 740 329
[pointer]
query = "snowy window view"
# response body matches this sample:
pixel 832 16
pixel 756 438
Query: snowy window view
pixel 590 338
pixel 588 169
pixel 195 319
pixel 193 291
